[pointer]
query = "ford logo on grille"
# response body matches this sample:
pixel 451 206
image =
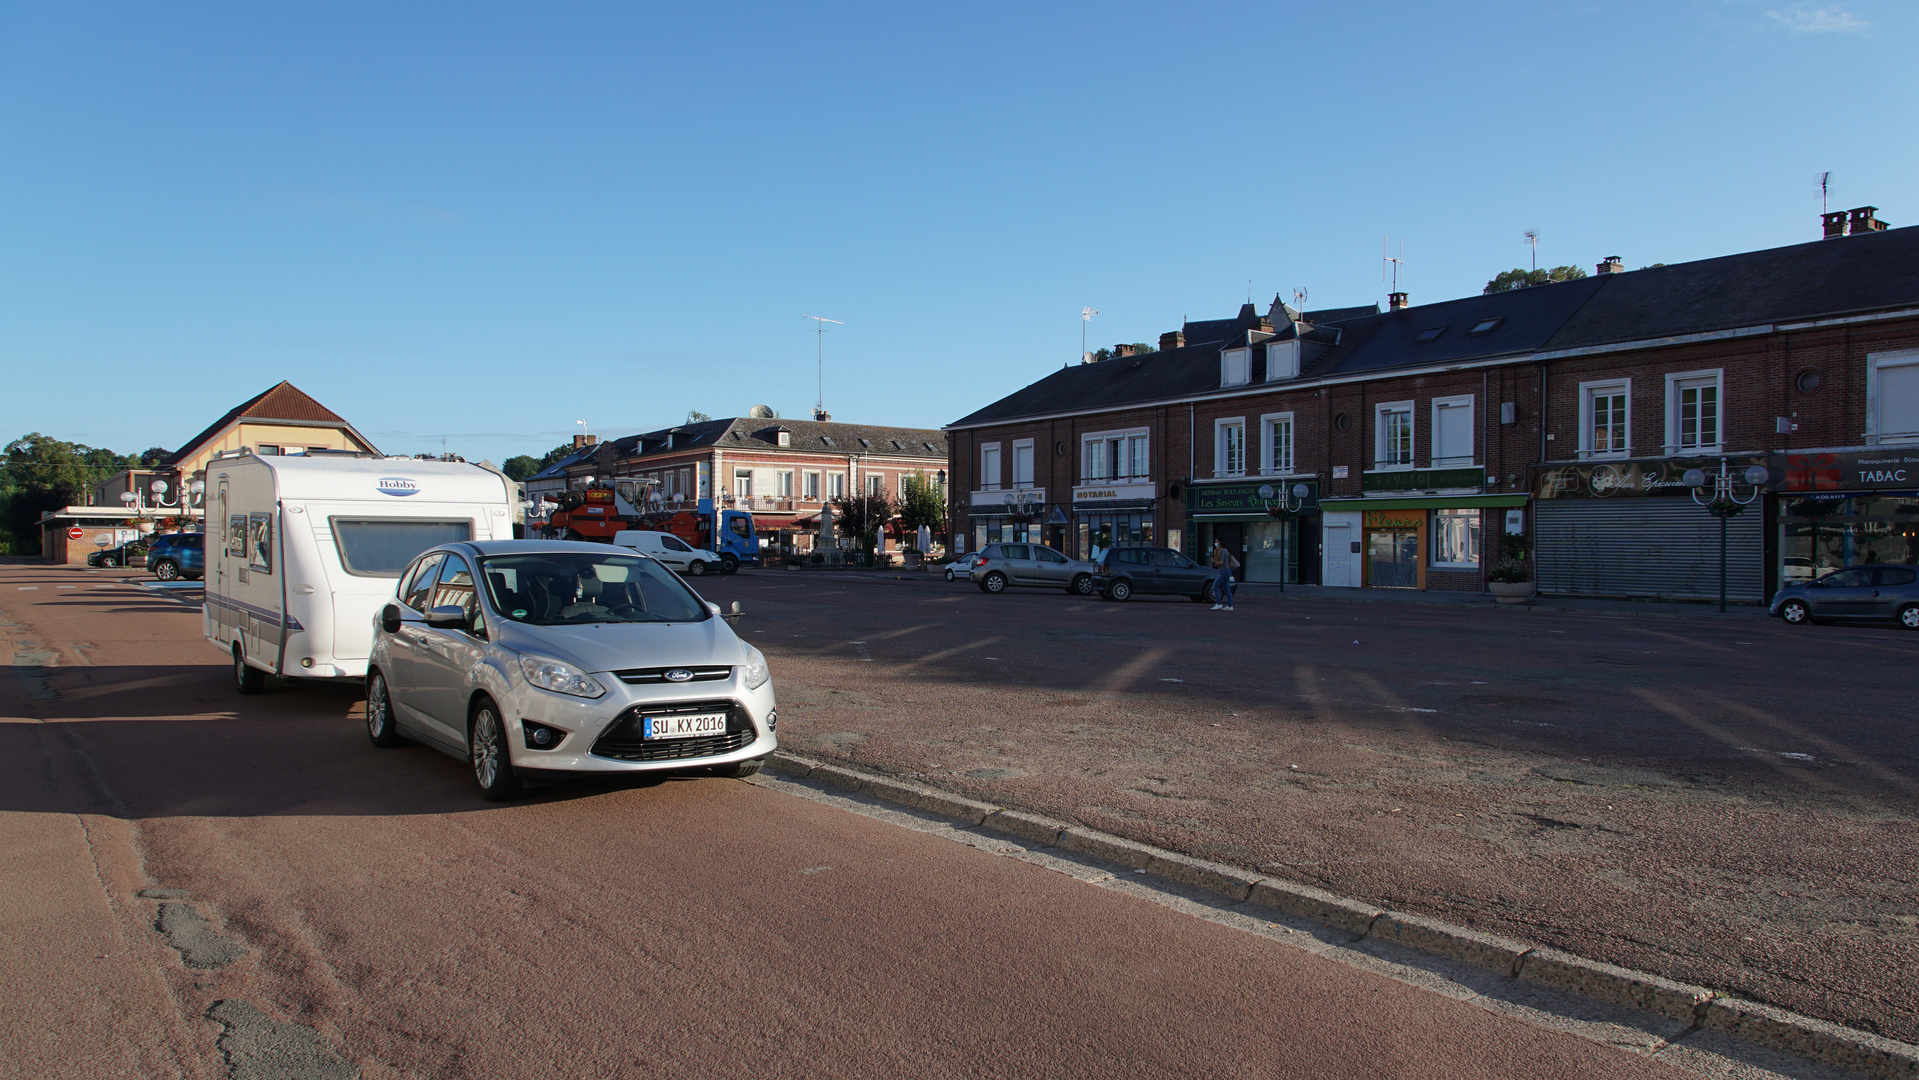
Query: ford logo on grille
pixel 678 674
pixel 396 485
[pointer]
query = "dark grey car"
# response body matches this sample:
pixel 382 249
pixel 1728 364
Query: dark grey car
pixel 998 566
pixel 1128 570
pixel 1856 593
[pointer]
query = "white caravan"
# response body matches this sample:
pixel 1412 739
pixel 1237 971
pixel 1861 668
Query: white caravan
pixel 303 551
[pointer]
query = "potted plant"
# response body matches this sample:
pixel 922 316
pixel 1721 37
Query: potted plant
pixel 1511 580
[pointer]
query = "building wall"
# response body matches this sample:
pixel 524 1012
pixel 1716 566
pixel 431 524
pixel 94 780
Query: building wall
pixel 255 434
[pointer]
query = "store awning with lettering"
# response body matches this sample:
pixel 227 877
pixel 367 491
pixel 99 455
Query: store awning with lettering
pixel 1432 502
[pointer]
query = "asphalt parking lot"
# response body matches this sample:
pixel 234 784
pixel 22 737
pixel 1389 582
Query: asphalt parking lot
pixel 1727 801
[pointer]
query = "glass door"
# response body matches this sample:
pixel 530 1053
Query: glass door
pixel 1393 559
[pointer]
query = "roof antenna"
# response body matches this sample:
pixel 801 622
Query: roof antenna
pixel 1825 182
pixel 1386 260
pixel 1532 238
pixel 1085 316
pixel 1299 299
pixel 819 359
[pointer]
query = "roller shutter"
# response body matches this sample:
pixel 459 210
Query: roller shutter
pixel 1649 547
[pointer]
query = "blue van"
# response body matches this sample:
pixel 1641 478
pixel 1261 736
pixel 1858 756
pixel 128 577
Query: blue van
pixel 172 556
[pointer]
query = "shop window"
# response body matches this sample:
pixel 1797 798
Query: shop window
pixel 1229 447
pixel 1693 412
pixel 989 466
pixel 1605 419
pixel 1023 463
pixel 1455 539
pixel 1892 390
pixel 1393 436
pixel 1276 443
pixel 1452 432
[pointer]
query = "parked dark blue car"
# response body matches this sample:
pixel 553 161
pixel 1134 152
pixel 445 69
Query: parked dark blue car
pixel 172 556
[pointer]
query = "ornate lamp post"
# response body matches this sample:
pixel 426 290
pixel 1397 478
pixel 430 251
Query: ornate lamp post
pixel 1022 505
pixel 1725 502
pixel 1283 503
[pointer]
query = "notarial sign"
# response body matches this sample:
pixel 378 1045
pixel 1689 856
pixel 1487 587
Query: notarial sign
pixel 1423 480
pixel 1242 497
pixel 1111 492
pixel 1631 479
pixel 1862 470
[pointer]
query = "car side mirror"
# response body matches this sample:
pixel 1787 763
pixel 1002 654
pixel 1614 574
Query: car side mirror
pixel 447 617
pixel 390 618
pixel 731 616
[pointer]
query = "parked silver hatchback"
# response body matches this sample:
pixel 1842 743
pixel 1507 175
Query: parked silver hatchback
pixel 998 566
pixel 540 657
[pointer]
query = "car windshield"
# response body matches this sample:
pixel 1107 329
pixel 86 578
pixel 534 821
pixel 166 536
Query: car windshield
pixel 555 588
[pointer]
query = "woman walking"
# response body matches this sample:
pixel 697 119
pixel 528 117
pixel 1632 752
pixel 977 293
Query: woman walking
pixel 1223 562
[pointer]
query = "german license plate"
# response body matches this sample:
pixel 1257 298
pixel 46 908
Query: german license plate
pixel 684 727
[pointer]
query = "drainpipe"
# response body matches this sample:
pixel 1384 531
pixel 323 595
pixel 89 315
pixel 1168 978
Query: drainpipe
pixel 1192 448
pixel 1542 412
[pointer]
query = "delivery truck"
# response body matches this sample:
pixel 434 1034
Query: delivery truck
pixel 303 551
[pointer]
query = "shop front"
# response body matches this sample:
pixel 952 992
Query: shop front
pixel 999 517
pixel 1844 509
pixel 1631 528
pixel 1417 529
pixel 1271 528
pixel 1108 515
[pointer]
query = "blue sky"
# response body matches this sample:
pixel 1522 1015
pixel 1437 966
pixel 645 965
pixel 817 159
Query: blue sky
pixel 485 222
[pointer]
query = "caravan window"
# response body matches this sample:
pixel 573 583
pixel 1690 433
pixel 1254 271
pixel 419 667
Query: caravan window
pixel 382 547
pixel 260 542
pixel 237 536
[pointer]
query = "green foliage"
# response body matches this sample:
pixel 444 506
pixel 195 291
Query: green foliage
pixel 924 503
pixel 695 416
pixel 1521 278
pixel 519 467
pixel 861 517
pixel 41 473
pixel 1509 570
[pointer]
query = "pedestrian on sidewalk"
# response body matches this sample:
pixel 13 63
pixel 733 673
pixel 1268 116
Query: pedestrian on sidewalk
pixel 1223 562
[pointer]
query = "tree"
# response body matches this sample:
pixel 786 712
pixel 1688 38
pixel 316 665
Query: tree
pixel 695 416
pixel 1520 278
pixel 152 456
pixel 520 466
pixel 923 503
pixel 43 473
pixel 1139 347
pixel 861 516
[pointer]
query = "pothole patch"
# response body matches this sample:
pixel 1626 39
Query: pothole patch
pixel 995 774
pixel 187 931
pixel 258 1047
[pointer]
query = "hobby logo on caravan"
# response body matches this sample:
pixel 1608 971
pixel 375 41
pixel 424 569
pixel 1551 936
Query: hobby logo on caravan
pixel 398 486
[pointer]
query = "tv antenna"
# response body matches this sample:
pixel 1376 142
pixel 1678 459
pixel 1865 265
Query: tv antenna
pixel 1386 260
pixel 819 360
pixel 1532 239
pixel 1085 316
pixel 1299 299
pixel 1825 184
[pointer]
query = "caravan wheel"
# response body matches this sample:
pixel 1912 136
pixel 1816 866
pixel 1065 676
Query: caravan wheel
pixel 246 680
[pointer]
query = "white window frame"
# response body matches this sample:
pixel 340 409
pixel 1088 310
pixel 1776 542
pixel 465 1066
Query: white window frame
pixel 1717 376
pixel 785 483
pixel 1590 390
pixel 876 483
pixel 742 483
pixel 1433 533
pixel 810 484
pixel 1271 462
pixel 1380 412
pixel 1236 366
pixel 1222 449
pixel 1026 445
pixel 1456 461
pixel 836 485
pixel 989 475
pixel 1100 453
pixel 1876 435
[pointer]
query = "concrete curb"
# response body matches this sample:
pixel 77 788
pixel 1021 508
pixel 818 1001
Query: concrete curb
pixel 1702 1008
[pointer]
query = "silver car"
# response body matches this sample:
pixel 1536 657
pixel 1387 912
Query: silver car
pixel 998 566
pixel 1855 593
pixel 540 657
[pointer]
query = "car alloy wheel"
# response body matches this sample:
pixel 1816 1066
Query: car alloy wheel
pixel 1083 585
pixel 696 568
pixel 379 713
pixel 1909 616
pixel 165 570
pixel 1795 612
pixel 1119 590
pixel 486 745
pixel 994 582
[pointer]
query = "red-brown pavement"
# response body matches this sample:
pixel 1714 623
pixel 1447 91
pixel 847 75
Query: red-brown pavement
pixel 687 927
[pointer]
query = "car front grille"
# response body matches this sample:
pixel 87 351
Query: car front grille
pixel 622 740
pixel 643 676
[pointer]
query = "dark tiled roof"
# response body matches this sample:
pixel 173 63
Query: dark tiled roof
pixel 760 433
pixel 1527 319
pixel 281 401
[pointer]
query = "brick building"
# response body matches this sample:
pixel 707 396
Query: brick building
pixel 1411 439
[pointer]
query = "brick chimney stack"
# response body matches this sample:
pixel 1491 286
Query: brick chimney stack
pixel 1864 221
pixel 1172 339
pixel 581 442
pixel 1122 350
pixel 1397 301
pixel 1835 224
pixel 1612 265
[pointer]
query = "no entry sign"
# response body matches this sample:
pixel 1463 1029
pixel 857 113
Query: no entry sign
pixel 75 533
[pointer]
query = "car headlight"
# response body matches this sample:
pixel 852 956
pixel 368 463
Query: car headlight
pixel 559 677
pixel 755 673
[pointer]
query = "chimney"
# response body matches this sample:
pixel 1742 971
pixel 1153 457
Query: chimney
pixel 1397 301
pixel 1612 265
pixel 1835 224
pixel 1122 350
pixel 581 442
pixel 1172 339
pixel 1863 221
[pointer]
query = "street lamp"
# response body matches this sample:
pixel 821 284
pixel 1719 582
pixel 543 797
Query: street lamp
pixel 1725 502
pixel 1283 503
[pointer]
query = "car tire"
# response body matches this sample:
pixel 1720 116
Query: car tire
pixel 166 570
pixel 696 568
pixel 486 752
pixel 740 770
pixel 729 565
pixel 1208 594
pixel 1119 590
pixel 380 726
pixel 994 583
pixel 1795 613
pixel 246 680
pixel 109 562
pixel 1909 616
pixel 1082 585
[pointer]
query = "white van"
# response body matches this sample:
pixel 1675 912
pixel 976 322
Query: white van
pixel 670 550
pixel 303 551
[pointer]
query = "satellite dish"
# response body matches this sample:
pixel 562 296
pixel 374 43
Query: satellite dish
pixel 761 412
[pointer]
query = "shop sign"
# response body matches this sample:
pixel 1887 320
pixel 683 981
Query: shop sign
pixel 1402 520
pixel 1423 480
pixel 1861 470
pixel 1009 500
pixel 1243 498
pixel 1112 492
pixel 1629 479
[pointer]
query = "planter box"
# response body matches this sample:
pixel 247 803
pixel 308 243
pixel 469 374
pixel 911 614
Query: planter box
pixel 1511 592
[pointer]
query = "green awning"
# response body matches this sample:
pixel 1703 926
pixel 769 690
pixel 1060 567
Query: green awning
pixel 1430 502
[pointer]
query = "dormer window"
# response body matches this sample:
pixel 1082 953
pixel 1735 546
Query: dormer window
pixel 1430 333
pixel 827 439
pixel 784 437
pixel 1235 367
pixel 1486 326
pixel 868 443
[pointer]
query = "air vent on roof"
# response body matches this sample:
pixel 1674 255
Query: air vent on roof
pixel 1485 326
pixel 827 439
pixel 868 443
pixel 1430 333
pixel 898 445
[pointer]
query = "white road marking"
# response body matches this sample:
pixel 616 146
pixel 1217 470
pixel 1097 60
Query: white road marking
pixel 29 588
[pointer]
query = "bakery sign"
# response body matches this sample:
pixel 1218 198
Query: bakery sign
pixel 1632 479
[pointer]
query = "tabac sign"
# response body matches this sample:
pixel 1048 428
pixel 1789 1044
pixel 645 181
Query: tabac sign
pixel 1863 470
pixel 1633 479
